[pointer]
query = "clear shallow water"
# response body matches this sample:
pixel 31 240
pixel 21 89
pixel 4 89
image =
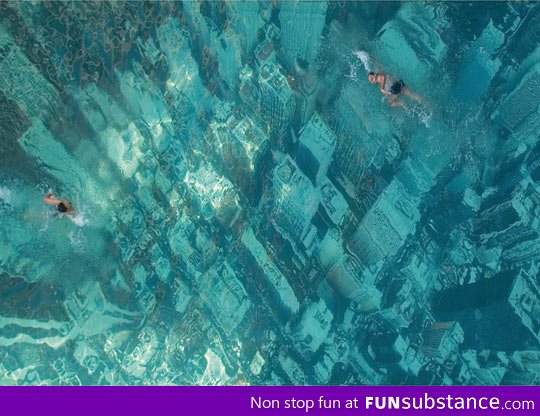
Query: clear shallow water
pixel 245 216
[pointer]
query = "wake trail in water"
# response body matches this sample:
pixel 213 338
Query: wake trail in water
pixel 422 113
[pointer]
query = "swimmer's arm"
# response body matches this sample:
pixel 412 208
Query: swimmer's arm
pixel 49 199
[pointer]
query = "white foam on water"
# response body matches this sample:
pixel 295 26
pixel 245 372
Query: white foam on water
pixel 362 59
pixel 366 60
pixel 79 219
pixel 422 114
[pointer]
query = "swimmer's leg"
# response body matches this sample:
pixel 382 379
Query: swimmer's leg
pixel 408 92
pixel 394 101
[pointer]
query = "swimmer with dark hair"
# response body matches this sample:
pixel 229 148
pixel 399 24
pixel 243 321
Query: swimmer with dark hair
pixel 63 205
pixel 393 88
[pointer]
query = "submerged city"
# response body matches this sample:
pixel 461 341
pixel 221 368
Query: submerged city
pixel 247 207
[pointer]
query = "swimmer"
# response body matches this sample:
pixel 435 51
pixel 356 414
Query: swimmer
pixel 63 205
pixel 393 88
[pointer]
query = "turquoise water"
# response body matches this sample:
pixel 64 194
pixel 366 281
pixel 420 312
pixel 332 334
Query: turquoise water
pixel 249 209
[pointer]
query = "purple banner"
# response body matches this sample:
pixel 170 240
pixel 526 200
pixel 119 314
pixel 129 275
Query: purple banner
pixel 243 400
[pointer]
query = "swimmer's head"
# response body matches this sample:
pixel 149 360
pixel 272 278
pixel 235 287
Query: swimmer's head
pixel 372 77
pixel 62 207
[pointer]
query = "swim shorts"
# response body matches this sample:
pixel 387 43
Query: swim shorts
pixel 397 87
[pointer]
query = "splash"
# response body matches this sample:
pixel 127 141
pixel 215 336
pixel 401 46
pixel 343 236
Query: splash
pixel 366 60
pixel 422 114
pixel 79 219
pixel 355 65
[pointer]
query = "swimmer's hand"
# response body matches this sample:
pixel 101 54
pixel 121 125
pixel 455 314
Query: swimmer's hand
pixel 49 198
